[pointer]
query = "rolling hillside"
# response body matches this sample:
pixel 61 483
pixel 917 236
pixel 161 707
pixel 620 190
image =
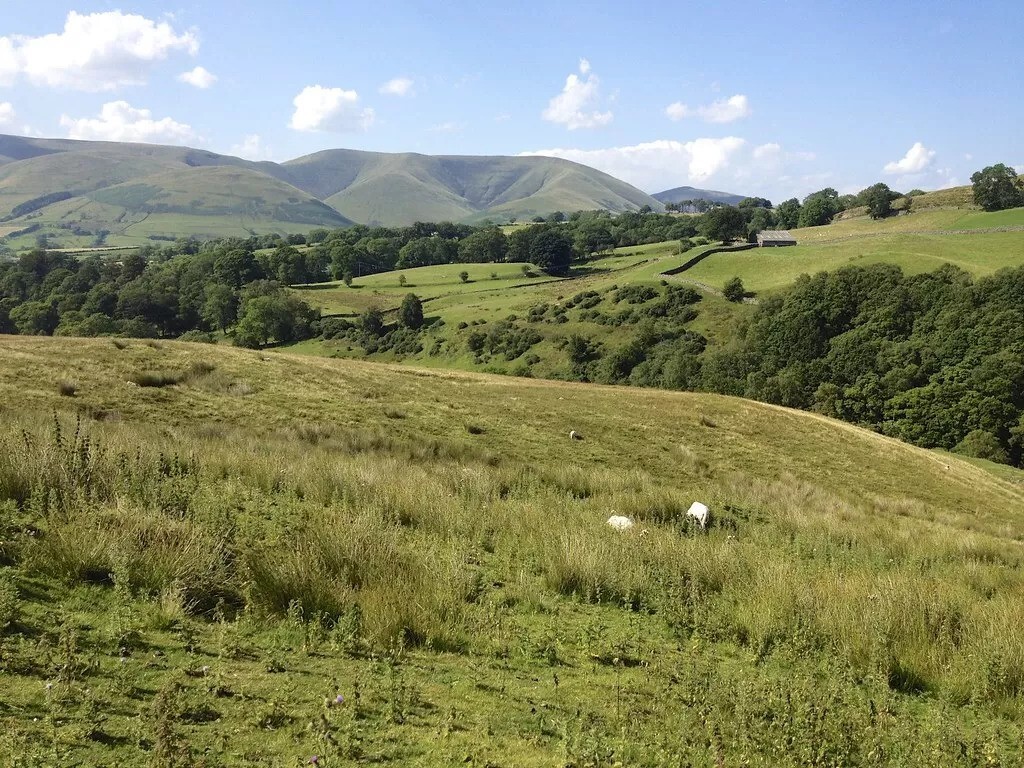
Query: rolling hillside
pixel 71 190
pixel 281 557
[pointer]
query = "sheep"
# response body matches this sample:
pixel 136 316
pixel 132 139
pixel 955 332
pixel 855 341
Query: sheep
pixel 699 512
pixel 574 435
pixel 620 522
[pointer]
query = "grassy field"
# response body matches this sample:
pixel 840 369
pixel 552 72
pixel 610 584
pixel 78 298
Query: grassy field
pixel 773 269
pixel 194 574
pixel 927 220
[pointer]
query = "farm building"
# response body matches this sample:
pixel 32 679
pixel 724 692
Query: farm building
pixel 775 237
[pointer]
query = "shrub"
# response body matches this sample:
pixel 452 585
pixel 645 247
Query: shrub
pixel 980 444
pixel 155 379
pixel 67 388
pixel 734 290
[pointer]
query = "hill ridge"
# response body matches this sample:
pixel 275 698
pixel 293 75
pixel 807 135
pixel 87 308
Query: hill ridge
pixel 391 189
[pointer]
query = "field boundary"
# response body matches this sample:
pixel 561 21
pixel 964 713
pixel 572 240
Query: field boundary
pixel 704 254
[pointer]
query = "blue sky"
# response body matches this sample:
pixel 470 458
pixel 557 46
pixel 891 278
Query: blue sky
pixel 762 98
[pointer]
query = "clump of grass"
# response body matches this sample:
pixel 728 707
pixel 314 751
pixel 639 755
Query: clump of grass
pixel 155 379
pixel 67 388
pixel 119 343
pixel 707 421
pixel 394 413
pixel 475 429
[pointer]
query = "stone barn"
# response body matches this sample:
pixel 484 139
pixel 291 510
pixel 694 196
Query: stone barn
pixel 774 238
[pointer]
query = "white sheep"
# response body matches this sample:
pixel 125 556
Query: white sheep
pixel 699 512
pixel 574 435
pixel 620 522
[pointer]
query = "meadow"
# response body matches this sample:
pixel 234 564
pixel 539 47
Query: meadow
pixel 214 556
pixel 772 269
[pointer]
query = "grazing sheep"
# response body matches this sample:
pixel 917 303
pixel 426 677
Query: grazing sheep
pixel 699 512
pixel 574 435
pixel 620 522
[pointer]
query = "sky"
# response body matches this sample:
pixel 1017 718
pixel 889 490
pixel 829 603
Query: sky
pixel 772 98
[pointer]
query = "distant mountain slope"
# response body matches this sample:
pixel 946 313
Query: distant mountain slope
pixel 394 189
pixel 61 186
pixel 679 194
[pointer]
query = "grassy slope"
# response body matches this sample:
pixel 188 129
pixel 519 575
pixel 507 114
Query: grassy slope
pixel 373 188
pixel 850 534
pixel 771 269
pixel 203 201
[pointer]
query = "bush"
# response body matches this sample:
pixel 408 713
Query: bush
pixel 734 290
pixel 67 388
pixel 155 379
pixel 980 444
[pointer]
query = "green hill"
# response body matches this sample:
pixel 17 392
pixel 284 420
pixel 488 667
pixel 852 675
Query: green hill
pixel 72 190
pixel 279 557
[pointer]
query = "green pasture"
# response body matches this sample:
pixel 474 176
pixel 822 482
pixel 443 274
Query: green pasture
pixel 278 558
pixel 768 269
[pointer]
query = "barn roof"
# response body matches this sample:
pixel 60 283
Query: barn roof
pixel 776 236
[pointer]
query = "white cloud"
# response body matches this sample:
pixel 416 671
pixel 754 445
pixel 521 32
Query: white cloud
pixel 722 111
pixel 330 109
pixel 8 61
pixel 575 106
pixel 677 111
pixel 200 77
pixel 397 86
pixel 657 165
pixel 251 148
pixel 968 156
pixel 918 158
pixel 94 52
pixel 770 152
pixel 120 121
pixel 6 114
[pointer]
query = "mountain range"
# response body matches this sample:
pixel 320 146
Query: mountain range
pixel 139 191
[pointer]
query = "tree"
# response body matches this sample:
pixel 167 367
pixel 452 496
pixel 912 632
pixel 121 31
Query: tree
pixel 819 208
pixel 484 245
pixel 734 290
pixel 220 306
pixel 372 322
pixel 723 223
pixel 878 198
pixel 787 215
pixel 410 314
pixel 997 187
pixel 551 250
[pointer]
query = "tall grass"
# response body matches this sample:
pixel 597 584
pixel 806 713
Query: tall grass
pixel 406 532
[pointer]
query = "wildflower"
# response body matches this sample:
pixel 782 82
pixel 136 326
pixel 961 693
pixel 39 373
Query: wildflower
pixel 314 760
pixel 339 699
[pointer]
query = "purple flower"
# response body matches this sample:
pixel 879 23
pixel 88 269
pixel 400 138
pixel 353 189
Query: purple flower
pixel 339 699
pixel 314 760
